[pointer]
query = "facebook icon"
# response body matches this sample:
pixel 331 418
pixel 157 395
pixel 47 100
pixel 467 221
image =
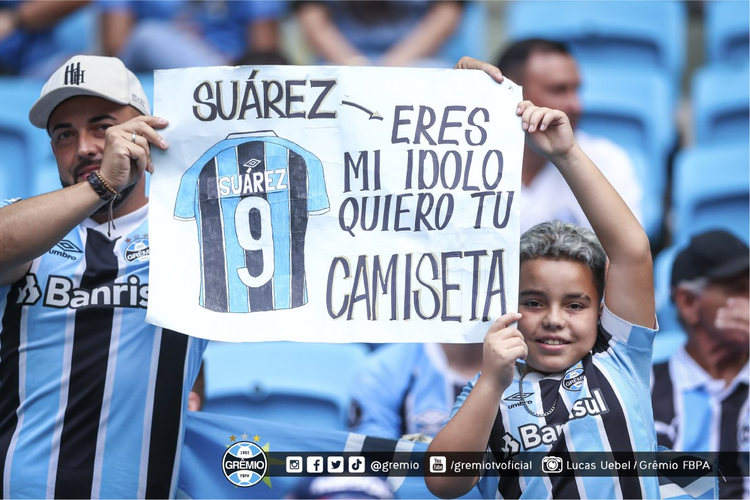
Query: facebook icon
pixel 314 465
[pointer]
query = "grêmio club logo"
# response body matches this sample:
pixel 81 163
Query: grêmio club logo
pixel 244 464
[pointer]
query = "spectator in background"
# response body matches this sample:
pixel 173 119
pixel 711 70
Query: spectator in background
pixel 27 42
pixel 381 33
pixel 408 390
pixel 92 398
pixel 700 395
pixel 549 76
pixel 183 33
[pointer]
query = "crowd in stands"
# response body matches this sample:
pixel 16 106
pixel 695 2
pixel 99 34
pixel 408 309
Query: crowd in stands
pixel 658 97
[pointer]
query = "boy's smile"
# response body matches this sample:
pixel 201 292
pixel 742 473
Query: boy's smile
pixel 560 307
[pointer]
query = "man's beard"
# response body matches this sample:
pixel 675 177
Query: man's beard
pixel 104 209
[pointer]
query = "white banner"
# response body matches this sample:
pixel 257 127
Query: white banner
pixel 334 204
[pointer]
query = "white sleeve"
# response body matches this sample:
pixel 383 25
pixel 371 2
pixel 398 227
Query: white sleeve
pixel 617 166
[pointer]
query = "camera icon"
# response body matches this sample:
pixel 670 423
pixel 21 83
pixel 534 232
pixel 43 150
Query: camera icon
pixel 552 465
pixel 294 465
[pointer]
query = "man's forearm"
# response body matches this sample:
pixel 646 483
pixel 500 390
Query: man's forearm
pixel 30 227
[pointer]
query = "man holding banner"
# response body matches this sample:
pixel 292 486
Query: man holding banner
pixel 91 396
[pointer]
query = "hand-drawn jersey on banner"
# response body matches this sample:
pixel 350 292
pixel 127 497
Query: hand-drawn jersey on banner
pixel 250 195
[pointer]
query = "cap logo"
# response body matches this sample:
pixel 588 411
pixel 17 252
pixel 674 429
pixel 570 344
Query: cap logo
pixel 74 75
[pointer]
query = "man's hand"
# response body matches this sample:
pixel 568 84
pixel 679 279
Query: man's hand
pixel 7 23
pixel 503 345
pixel 467 62
pixel 126 156
pixel 735 315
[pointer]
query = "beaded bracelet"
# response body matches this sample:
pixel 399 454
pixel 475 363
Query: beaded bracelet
pixel 107 193
pixel 102 187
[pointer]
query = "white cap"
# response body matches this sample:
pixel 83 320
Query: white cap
pixel 105 77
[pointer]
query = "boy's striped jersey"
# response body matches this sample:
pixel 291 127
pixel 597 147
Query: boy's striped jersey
pixel 91 396
pixel 598 407
pixel 251 195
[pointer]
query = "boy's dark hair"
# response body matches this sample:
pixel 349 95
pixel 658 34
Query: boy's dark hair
pixel 561 240
pixel 512 61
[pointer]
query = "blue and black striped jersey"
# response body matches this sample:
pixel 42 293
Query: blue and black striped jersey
pixel 598 407
pixel 91 396
pixel 250 196
pixel 695 413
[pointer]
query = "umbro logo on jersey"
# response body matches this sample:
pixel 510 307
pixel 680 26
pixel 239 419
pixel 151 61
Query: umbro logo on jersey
pixel 517 397
pixel 64 249
pixel 74 75
pixel 30 292
pixel 252 163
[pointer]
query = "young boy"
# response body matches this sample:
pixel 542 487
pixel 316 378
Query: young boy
pixel 584 383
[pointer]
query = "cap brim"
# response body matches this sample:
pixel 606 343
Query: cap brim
pixel 731 268
pixel 43 108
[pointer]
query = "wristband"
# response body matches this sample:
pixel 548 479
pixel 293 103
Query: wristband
pixel 102 187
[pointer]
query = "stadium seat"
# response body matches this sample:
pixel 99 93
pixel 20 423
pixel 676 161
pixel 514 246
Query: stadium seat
pixel 711 189
pixel 14 163
pixel 634 111
pixel 297 383
pixel 720 99
pixel 27 166
pixel 727 31
pixel 147 82
pixel 470 38
pixel 618 33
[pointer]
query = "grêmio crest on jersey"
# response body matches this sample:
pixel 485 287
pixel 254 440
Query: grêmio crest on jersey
pixel 250 196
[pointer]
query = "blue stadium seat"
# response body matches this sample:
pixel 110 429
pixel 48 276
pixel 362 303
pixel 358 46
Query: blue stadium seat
pixel 147 82
pixel 470 38
pixel 619 33
pixel 77 33
pixel 27 166
pixel 727 31
pixel 14 162
pixel 720 99
pixel 298 383
pixel 634 110
pixel 711 189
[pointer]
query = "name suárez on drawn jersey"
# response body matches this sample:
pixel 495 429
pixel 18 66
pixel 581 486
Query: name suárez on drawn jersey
pixel 250 196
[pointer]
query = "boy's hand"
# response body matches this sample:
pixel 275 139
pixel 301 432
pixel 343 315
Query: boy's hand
pixel 467 62
pixel 548 131
pixel 503 345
